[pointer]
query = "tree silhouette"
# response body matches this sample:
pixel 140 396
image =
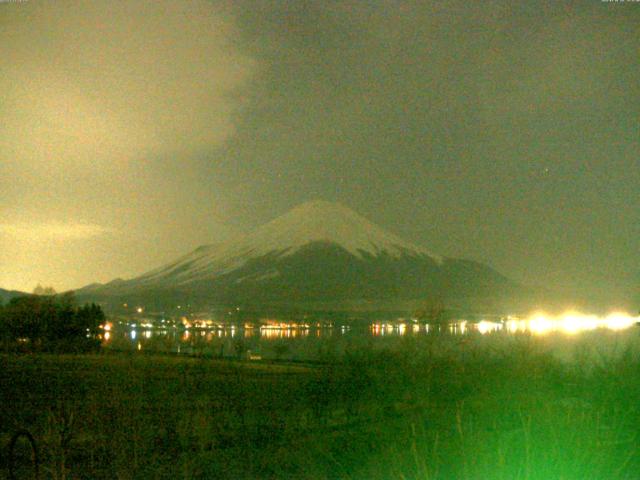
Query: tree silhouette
pixel 42 322
pixel 432 310
pixel 44 291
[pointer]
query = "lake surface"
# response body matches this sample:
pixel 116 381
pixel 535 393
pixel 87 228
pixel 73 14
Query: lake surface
pixel 566 336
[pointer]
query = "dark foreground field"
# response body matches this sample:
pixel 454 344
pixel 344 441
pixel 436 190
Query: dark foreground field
pixel 420 412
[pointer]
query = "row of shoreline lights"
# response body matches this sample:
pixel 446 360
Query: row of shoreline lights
pixel 538 323
pixel 570 323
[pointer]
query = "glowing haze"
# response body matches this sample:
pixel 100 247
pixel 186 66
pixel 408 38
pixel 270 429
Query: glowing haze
pixel 101 101
pixel 133 131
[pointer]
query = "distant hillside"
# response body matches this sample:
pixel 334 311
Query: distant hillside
pixel 318 253
pixel 6 295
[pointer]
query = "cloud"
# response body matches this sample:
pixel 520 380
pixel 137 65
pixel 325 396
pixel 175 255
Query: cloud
pixel 52 231
pixel 108 83
pixel 109 113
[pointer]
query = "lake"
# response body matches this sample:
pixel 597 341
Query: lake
pixel 566 336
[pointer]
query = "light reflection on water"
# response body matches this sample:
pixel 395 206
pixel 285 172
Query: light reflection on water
pixel 537 324
pixel 299 339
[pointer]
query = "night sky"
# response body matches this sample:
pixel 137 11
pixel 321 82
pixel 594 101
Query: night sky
pixel 506 132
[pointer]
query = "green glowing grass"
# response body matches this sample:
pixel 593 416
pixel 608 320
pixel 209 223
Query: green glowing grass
pixel 421 412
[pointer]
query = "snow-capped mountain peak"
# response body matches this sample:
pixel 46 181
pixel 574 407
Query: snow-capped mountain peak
pixel 314 221
pixel 318 255
pixel 322 221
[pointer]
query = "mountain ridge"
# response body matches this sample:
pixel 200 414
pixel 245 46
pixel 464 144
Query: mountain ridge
pixel 319 251
pixel 6 295
pixel 313 221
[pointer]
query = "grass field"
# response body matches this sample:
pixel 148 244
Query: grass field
pixel 416 412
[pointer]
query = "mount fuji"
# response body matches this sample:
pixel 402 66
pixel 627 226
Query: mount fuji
pixel 318 253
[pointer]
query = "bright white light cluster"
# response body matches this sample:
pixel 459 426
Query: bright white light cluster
pixel 569 322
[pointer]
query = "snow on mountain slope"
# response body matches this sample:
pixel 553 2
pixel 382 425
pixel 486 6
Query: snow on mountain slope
pixel 316 221
pixel 330 222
